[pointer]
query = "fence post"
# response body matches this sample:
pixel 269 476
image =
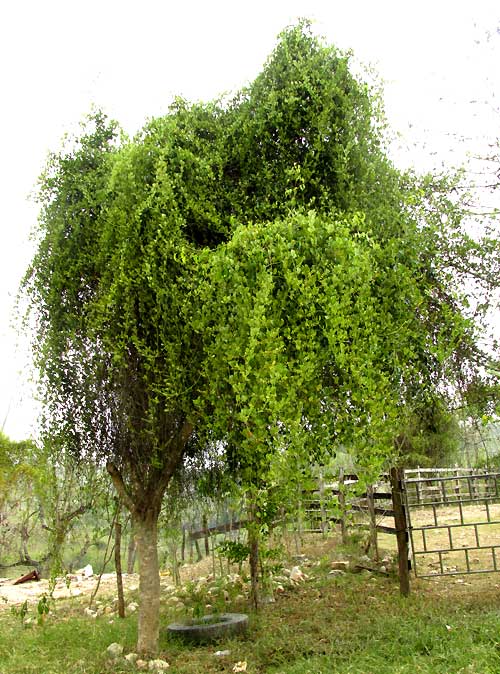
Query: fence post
pixel 373 542
pixel 400 522
pixel 324 523
pixel 343 526
pixel 457 481
pixel 417 486
pixel 183 544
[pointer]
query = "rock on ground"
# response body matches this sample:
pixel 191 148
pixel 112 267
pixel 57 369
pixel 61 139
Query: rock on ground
pixel 114 650
pixel 158 665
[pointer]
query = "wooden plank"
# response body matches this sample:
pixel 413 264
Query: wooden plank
pixel 377 495
pixel 386 530
pixel 219 529
pixel 364 509
pixel 382 495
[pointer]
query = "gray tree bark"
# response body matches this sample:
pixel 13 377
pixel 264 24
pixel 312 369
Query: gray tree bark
pixel 149 584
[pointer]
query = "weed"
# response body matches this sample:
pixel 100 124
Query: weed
pixel 20 612
pixel 43 609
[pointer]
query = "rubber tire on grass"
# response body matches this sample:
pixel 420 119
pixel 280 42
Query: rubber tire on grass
pixel 210 627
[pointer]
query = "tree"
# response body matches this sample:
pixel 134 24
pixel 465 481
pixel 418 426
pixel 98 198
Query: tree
pixel 13 462
pixel 186 297
pixel 16 476
pixel 116 373
pixel 48 494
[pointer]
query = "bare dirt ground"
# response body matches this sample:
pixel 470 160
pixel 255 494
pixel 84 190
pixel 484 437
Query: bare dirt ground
pixel 11 595
pixel 80 586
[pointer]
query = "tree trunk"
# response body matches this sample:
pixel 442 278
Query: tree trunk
pixel 253 542
pixel 54 562
pixel 204 525
pixel 175 564
pixel 144 504
pixel 253 530
pixel 149 583
pixel 199 556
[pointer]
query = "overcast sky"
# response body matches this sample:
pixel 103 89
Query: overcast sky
pixel 440 62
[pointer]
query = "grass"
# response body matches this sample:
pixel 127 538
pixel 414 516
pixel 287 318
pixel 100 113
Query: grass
pixel 352 624
pixel 69 643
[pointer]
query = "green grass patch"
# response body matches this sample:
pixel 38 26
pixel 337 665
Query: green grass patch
pixel 65 643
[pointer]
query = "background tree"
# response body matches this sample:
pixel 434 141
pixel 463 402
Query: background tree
pixel 17 506
pixel 50 507
pixel 73 499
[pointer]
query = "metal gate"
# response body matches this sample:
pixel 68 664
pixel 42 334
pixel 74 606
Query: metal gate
pixel 453 521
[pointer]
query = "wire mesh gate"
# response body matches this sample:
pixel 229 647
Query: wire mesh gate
pixel 453 522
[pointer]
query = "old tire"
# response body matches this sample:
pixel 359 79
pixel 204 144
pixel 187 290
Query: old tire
pixel 210 627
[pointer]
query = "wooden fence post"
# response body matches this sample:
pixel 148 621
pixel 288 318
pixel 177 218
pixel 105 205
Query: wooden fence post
pixel 343 526
pixel 417 486
pixel 324 524
pixel 457 482
pixel 183 544
pixel 400 522
pixel 373 542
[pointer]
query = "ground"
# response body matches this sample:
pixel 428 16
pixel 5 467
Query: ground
pixel 347 623
pixel 317 547
pixel 327 623
pixel 78 586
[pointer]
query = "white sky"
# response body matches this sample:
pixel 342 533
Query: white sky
pixel 60 56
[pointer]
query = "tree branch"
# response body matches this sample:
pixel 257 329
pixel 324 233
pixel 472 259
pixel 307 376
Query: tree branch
pixel 177 449
pixel 26 561
pixel 119 484
pixel 79 511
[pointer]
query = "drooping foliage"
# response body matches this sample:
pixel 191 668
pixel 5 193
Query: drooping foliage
pixel 245 274
pixel 304 342
pixel 303 133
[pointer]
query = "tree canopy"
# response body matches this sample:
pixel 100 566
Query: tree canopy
pixel 249 273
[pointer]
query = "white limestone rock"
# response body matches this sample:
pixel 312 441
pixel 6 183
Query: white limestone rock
pixel 297 575
pixel 158 665
pixel 88 571
pixel 114 650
